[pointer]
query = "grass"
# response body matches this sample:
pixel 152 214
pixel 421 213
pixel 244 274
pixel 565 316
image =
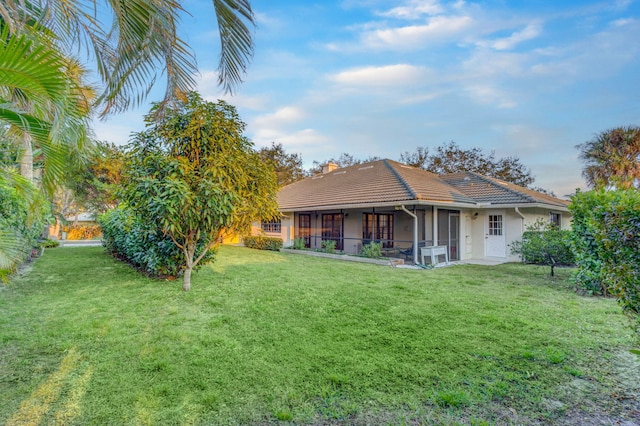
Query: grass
pixel 270 338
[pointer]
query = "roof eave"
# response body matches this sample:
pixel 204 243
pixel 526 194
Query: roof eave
pixel 380 204
pixel 523 205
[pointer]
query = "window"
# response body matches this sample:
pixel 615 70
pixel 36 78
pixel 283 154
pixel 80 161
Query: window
pixel 376 226
pixel 555 219
pixel 274 226
pixel 495 224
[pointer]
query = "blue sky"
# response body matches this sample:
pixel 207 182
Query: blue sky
pixel 377 78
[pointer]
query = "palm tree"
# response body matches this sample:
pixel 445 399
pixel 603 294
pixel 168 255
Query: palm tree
pixel 43 100
pixel 612 158
pixel 140 38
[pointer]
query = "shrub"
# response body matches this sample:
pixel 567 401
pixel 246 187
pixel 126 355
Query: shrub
pixel 143 245
pixel 329 246
pixel 607 244
pixel 21 223
pixel 261 242
pixel 372 250
pixel 544 244
pixel 299 244
pixel 48 243
pixel 82 232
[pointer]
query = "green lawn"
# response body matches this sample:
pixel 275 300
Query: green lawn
pixel 267 338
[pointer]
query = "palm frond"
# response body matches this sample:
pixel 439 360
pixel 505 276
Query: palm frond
pixel 236 41
pixel 38 129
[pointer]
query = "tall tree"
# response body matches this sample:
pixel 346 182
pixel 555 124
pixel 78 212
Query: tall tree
pixel 345 160
pixel 133 40
pixel 288 167
pixel 194 174
pixel 95 182
pixel 43 99
pixel 419 158
pixel 450 158
pixel 612 158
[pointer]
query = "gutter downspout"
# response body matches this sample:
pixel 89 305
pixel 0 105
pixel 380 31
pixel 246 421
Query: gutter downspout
pixel 415 233
pixel 522 216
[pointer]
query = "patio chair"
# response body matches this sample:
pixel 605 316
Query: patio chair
pixel 409 251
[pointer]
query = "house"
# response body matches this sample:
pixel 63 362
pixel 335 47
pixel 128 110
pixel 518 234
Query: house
pixel 474 216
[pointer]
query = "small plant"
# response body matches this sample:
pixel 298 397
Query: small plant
pixel 48 243
pixel 329 246
pixel 299 244
pixel 555 356
pixel 573 371
pixel 284 415
pixel 453 398
pixel 372 250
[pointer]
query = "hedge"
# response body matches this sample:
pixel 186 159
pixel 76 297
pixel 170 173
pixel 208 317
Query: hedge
pixel 261 242
pixel 21 224
pixel 606 240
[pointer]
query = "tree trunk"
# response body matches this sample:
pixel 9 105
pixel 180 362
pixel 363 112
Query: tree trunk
pixel 26 162
pixel 186 279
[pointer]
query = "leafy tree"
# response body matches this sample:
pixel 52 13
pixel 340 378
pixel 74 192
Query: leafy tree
pixel 419 158
pixel 288 167
pixel 450 158
pixel 195 175
pixel 612 158
pixel 95 181
pixel 544 244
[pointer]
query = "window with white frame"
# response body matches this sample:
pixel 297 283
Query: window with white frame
pixel 495 225
pixel 555 219
pixel 274 226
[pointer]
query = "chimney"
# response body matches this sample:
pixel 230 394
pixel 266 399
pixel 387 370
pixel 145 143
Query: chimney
pixel 329 167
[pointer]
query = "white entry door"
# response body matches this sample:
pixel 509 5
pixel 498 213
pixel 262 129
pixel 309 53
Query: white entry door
pixel 495 239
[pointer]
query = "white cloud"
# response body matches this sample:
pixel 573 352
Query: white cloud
pixel 414 9
pixel 623 22
pixel 484 63
pixel 383 76
pixel 531 31
pixel 419 98
pixel 284 115
pixel 485 94
pixel 439 28
pixel 290 140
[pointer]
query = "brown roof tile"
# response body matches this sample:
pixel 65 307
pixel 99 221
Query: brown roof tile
pixel 486 189
pixel 387 181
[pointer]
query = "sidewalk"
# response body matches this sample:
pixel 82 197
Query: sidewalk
pixel 80 243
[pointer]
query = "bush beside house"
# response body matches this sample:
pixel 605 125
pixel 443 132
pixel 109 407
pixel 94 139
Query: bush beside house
pixel 606 240
pixel 262 242
pixel 544 244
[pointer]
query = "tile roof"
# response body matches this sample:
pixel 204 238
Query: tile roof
pixel 387 181
pixel 486 189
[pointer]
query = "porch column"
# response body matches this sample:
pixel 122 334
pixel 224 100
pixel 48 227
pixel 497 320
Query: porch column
pixel 434 221
pixel 415 233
